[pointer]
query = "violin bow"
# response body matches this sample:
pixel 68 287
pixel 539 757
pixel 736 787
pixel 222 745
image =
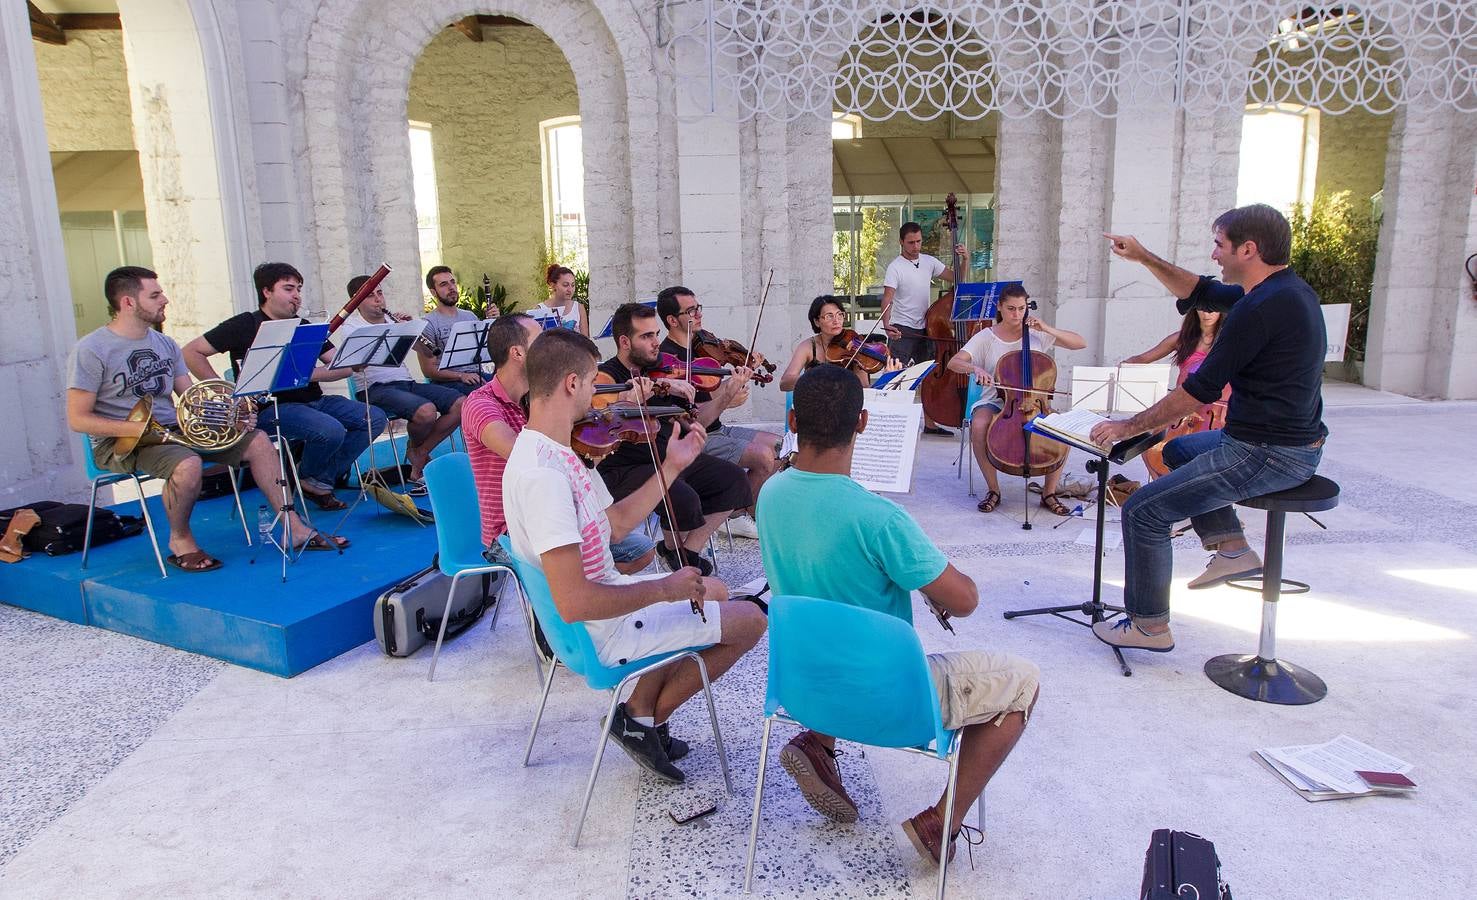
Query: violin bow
pixel 661 480
pixel 758 317
pixel 873 330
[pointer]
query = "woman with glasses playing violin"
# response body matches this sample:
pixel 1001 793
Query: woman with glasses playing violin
pixel 828 321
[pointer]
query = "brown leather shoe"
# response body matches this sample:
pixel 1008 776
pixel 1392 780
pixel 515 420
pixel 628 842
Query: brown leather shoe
pixel 21 523
pixel 814 769
pixel 926 831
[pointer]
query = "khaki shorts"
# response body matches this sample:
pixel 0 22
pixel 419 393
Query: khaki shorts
pixel 159 459
pixel 977 687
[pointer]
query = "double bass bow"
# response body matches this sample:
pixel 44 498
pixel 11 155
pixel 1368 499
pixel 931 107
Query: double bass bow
pixel 1028 379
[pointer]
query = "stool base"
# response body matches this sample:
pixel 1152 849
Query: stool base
pixel 1267 680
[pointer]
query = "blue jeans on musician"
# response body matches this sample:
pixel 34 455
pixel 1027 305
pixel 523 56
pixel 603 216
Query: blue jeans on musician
pixel 332 429
pixel 1210 471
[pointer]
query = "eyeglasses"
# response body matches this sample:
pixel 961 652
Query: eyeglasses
pixel 831 316
pixel 695 308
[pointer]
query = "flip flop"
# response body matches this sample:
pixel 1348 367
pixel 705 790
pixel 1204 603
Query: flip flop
pixel 195 561
pixel 326 502
pixel 318 543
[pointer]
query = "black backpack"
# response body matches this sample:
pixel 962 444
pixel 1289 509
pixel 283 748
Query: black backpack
pixel 63 526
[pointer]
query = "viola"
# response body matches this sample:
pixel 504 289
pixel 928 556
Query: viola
pixel 1029 377
pixel 734 354
pixel 849 349
pixel 1211 417
pixel 704 373
pixel 602 430
pixel 607 388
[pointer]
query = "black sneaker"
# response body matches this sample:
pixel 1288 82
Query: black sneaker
pixel 644 746
pixel 676 747
pixel 669 557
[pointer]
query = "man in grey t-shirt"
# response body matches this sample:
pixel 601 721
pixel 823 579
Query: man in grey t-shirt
pixel 117 365
pixel 442 283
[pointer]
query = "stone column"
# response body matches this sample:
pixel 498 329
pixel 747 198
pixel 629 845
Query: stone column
pixel 37 451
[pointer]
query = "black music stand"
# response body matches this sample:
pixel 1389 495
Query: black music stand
pixel 387 344
pixel 466 345
pixel 1100 464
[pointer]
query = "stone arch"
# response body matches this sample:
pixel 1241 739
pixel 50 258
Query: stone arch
pixel 361 160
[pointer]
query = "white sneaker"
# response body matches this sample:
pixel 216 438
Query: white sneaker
pixel 743 526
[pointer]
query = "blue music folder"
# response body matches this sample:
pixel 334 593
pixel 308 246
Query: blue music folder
pixel 976 300
pixel 607 332
pixel 301 357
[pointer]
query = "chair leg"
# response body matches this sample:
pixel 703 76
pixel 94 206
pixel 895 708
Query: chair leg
pixel 979 813
pixel 579 827
pixel 702 669
pixel 235 474
pixel 441 632
pixel 538 663
pixel 729 532
pixel 713 553
pixel 87 533
pixel 149 524
pixel 758 798
pixel 538 716
pixel 948 816
pixel 497 607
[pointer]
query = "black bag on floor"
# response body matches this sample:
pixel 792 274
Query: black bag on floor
pixel 63 526
pixel 408 615
pixel 1179 866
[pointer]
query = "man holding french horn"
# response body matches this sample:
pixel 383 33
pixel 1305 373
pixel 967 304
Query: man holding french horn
pixel 113 370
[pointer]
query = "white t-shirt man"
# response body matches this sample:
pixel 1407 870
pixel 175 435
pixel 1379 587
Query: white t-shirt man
pixel 911 278
pixel 375 374
pixel 552 500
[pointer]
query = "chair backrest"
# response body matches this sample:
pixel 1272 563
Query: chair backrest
pixel 569 640
pixel 88 463
pixel 972 393
pixel 852 673
pixel 453 494
pixel 789 404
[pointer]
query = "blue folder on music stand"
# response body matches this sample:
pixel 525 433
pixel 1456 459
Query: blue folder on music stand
pixel 606 331
pixel 281 358
pixel 976 300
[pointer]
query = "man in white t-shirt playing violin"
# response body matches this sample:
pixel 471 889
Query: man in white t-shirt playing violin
pixel 561 518
pixel 906 295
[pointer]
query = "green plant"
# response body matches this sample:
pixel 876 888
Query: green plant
pixel 1333 249
pixel 478 301
pixel 859 269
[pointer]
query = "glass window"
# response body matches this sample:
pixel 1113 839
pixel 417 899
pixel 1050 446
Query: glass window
pixel 427 209
pixel 845 126
pixel 1279 156
pixel 564 191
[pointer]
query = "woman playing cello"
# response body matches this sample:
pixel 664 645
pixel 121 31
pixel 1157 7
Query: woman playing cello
pixel 828 321
pixel 978 359
pixel 1188 348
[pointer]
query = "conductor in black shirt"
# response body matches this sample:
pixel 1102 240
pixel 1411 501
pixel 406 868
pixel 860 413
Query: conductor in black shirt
pixel 1270 350
pixel 334 430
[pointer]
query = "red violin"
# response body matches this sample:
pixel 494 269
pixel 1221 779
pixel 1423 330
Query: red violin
pixel 705 374
pixel 849 349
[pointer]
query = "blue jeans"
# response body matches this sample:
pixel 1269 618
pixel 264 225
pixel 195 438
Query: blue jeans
pixel 1210 470
pixel 332 429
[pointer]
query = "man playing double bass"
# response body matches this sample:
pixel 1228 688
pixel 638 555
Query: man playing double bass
pixel 906 295
pixel 1270 350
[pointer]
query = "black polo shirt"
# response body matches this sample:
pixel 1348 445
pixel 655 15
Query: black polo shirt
pixel 234 336
pixel 1270 350
pixel 635 454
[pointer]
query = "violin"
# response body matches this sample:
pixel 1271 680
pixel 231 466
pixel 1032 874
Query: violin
pixel 849 349
pixel 607 389
pixel 602 430
pixel 734 354
pixel 705 374
pixel 1029 378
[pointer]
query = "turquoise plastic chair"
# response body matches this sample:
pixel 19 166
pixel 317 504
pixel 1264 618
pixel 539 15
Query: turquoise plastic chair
pixel 459 548
pixel 100 477
pixel 574 650
pixel 972 395
pixel 825 659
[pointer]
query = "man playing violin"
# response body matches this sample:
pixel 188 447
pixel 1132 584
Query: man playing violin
pixel 706 492
pixel 1270 350
pixel 978 359
pixel 561 518
pixel 906 295
pixel 492 417
pixel 823 535
pixel 749 449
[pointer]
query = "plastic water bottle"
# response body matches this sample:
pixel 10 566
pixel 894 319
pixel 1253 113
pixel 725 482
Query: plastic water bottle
pixel 264 523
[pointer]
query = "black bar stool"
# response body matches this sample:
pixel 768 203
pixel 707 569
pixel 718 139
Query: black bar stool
pixel 1262 676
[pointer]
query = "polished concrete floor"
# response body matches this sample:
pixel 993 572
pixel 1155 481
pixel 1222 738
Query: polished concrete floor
pixel 128 769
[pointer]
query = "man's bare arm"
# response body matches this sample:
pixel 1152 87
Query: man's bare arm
pixel 579 599
pixel 1179 282
pixel 953 592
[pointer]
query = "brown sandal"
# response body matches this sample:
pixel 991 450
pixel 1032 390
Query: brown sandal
pixel 1053 502
pixel 992 500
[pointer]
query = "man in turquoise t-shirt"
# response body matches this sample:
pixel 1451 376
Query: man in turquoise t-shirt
pixel 823 535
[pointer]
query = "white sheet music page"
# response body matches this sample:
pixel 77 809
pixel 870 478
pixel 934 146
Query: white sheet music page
pixel 1076 423
pixel 883 458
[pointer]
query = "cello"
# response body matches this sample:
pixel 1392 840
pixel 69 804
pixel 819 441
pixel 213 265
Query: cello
pixel 1028 379
pixel 943 391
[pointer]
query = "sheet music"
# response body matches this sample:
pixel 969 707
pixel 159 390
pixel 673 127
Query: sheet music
pixel 466 344
pixel 1092 387
pixel 1334 763
pixel 882 460
pixel 903 379
pixel 1140 386
pixel 264 356
pixel 366 346
pixel 1078 422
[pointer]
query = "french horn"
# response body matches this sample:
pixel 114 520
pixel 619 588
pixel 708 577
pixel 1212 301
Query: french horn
pixel 210 419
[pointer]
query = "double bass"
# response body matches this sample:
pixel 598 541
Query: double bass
pixel 1028 379
pixel 943 391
